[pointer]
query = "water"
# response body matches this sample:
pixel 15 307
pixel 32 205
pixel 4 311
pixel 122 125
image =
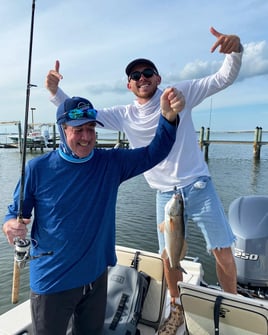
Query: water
pixel 233 170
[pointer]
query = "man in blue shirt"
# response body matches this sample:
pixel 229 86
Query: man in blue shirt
pixel 72 194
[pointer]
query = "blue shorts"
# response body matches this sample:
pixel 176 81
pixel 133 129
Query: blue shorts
pixel 203 206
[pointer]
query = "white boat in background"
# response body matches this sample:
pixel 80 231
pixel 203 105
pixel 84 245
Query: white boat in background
pixel 207 310
pixel 34 136
pixel 40 136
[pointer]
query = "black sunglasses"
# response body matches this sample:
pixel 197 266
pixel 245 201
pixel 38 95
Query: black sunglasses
pixel 147 73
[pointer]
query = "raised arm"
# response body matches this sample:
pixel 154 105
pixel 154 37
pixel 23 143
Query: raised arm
pixel 53 78
pixel 172 102
pixel 227 43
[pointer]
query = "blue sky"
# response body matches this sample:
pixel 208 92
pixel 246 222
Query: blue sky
pixel 94 41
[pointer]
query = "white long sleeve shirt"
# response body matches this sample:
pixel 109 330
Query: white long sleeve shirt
pixel 185 163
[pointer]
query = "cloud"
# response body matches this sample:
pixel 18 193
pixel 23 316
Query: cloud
pixel 255 60
pixel 94 42
pixel 254 64
pixel 196 69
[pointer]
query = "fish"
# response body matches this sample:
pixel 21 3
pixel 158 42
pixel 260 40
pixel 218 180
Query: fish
pixel 173 228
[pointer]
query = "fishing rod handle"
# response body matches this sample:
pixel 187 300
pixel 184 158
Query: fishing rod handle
pixel 15 283
pixel 21 252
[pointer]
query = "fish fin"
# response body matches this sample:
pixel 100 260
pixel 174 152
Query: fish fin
pixel 161 226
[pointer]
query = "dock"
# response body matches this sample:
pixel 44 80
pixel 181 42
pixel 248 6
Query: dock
pixel 122 142
pixel 53 141
pixel 257 143
pixel 8 145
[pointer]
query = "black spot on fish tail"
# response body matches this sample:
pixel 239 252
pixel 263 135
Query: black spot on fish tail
pixel 181 269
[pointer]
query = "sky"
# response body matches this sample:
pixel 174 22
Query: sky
pixel 95 40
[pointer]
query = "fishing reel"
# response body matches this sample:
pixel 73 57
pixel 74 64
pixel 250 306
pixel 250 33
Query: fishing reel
pixel 22 252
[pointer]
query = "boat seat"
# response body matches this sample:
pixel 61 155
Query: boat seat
pixel 236 315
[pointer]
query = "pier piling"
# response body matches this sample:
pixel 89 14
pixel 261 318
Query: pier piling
pixel 257 142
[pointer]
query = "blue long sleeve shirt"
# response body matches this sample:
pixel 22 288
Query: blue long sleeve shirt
pixel 73 207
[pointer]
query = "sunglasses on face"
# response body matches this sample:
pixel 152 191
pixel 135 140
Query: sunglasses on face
pixel 147 73
pixel 76 114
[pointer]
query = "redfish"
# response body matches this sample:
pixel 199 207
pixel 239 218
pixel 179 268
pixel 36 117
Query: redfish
pixel 174 232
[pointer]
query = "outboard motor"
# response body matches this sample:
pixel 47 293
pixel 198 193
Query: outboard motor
pixel 248 217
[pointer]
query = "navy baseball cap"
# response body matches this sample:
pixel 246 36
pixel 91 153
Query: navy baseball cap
pixel 140 61
pixel 76 111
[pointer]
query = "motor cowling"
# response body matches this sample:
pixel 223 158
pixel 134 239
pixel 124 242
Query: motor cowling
pixel 248 217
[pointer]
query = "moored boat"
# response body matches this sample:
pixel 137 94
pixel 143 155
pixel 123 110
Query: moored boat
pixel 34 136
pixel 37 137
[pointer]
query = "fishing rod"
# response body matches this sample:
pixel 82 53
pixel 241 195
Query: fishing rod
pixel 22 246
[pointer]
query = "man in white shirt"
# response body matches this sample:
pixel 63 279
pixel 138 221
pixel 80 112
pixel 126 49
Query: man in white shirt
pixel 184 167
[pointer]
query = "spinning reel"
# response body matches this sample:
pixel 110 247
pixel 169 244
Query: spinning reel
pixel 22 252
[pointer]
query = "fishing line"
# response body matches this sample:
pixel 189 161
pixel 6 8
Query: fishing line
pixel 24 149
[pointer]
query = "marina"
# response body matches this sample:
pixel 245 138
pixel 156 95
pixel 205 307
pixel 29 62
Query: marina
pixel 36 141
pixel 42 136
pixel 39 136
